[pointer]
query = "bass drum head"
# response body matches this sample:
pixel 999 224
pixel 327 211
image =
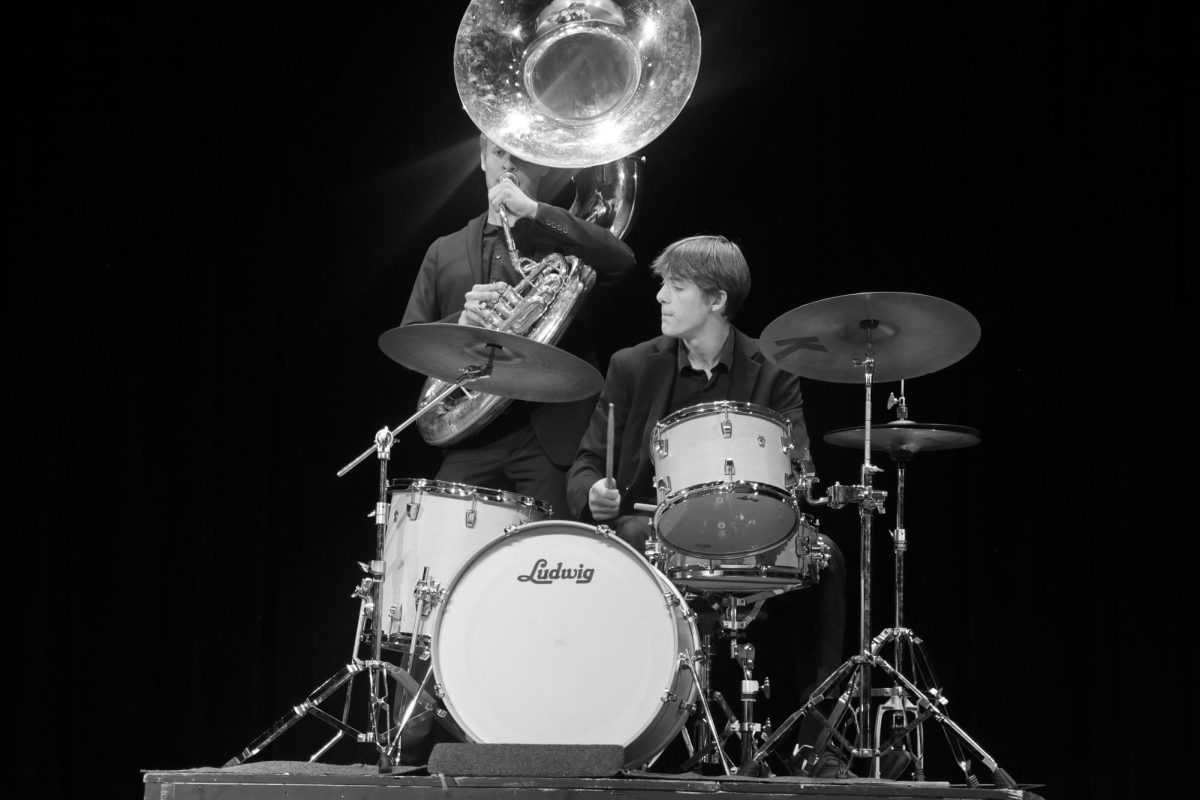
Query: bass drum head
pixel 558 634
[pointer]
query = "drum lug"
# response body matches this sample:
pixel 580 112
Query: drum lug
pixel 439 691
pixel 661 447
pixel 605 531
pixel 413 509
pixel 663 487
pixel 672 599
pixel 726 427
pixel 669 697
pixel 729 468
pixel 472 514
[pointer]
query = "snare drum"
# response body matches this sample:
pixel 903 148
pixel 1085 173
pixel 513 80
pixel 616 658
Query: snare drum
pixel 794 565
pixel 438 525
pixel 724 478
pixel 561 633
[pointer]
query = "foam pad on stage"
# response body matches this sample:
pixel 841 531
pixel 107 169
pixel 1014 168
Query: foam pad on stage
pixel 527 760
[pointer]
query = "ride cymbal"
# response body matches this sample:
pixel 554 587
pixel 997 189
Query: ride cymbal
pixel 905 436
pixel 908 335
pixel 522 369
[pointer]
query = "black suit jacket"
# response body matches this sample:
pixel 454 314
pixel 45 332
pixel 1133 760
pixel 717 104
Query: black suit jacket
pixel 639 384
pixel 454 263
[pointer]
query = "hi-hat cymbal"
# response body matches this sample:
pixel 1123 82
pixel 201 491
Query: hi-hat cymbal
pixel 522 369
pixel 909 335
pixel 903 436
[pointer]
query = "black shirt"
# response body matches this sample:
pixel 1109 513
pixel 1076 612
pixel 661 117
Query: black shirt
pixel 694 386
pixel 691 387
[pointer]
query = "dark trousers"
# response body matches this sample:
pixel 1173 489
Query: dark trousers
pixel 512 461
pixel 802 631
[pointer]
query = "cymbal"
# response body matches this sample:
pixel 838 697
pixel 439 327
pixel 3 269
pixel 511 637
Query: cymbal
pixel 903 436
pixel 522 369
pixel 910 335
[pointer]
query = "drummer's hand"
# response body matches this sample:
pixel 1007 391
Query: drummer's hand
pixel 482 295
pixel 508 195
pixel 604 500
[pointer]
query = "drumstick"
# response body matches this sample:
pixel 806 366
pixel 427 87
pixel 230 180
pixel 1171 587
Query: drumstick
pixel 608 473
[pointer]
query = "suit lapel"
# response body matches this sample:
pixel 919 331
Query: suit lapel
pixel 746 366
pixel 660 371
pixel 475 247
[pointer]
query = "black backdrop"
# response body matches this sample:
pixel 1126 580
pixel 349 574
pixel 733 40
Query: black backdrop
pixel 219 209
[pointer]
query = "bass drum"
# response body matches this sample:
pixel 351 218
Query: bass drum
pixel 560 633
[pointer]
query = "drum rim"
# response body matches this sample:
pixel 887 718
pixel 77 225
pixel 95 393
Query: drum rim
pixel 684 618
pixel 713 487
pixel 732 570
pixel 465 491
pixel 702 489
pixel 718 406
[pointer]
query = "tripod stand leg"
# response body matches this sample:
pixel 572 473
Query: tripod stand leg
pixel 932 707
pixel 319 695
pixel 819 694
pixel 716 742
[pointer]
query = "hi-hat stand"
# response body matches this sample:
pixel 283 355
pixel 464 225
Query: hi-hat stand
pixel 379 731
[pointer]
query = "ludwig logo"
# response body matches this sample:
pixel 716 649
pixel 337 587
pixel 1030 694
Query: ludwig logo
pixel 540 573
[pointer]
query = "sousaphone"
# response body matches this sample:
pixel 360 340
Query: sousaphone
pixel 580 85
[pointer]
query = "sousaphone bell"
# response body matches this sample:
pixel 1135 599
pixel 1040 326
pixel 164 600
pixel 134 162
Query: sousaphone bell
pixel 580 85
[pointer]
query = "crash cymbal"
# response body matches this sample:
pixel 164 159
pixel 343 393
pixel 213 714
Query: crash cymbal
pixel 522 369
pixel 905 436
pixel 909 334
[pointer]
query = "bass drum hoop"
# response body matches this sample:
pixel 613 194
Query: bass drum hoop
pixel 683 690
pixel 466 491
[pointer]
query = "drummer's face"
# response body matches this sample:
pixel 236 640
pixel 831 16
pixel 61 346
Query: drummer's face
pixel 683 307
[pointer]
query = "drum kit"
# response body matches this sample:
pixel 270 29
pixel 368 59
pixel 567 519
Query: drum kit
pixel 479 590
pixel 509 626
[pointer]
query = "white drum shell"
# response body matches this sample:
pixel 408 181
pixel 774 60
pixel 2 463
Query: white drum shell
pixel 525 654
pixel 725 481
pixel 439 525
pixel 790 566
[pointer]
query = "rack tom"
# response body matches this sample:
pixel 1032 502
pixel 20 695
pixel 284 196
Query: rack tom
pixel 724 478
pixel 797 564
pixel 437 526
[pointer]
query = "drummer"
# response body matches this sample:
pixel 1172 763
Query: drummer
pixel 700 358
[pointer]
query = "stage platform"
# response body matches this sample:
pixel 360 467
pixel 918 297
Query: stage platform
pixel 277 780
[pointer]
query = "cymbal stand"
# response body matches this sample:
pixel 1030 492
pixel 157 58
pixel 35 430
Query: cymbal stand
pixel 379 732
pixel 858 669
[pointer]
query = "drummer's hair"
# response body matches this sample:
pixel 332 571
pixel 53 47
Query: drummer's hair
pixel 713 263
